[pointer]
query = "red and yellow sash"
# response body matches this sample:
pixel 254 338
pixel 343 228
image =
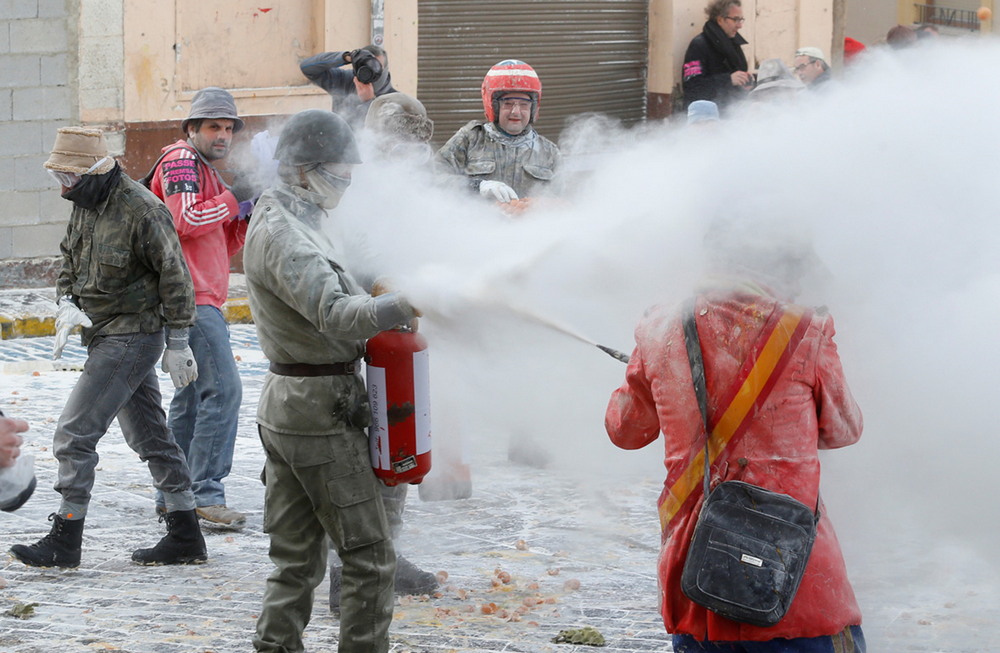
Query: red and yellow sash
pixel 769 356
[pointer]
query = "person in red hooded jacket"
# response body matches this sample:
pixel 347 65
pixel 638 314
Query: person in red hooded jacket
pixel 758 265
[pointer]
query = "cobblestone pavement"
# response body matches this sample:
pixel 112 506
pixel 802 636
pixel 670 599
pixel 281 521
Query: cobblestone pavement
pixel 580 550
pixel 520 520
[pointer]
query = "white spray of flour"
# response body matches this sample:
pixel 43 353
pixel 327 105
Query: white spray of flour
pixel 894 169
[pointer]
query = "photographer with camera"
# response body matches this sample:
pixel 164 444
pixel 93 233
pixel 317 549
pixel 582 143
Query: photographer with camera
pixel 352 89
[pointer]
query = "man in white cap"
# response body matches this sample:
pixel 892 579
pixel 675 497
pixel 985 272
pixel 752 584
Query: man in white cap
pixel 211 221
pixel 811 66
pixel 123 279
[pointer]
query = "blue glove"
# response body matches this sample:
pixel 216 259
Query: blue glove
pixel 246 208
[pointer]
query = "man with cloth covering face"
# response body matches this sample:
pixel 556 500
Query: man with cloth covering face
pixel 312 320
pixel 123 280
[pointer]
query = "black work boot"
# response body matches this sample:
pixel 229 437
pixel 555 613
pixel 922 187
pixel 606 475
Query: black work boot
pixel 411 579
pixel 182 545
pixel 335 582
pixel 60 548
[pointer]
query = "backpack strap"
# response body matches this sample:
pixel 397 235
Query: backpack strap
pixel 782 333
pixel 147 181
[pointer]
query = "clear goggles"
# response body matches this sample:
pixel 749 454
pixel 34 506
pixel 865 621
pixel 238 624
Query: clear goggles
pixel 70 179
pixel 337 175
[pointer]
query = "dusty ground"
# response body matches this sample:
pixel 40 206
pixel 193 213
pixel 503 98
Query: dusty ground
pixel 532 552
pixel 521 564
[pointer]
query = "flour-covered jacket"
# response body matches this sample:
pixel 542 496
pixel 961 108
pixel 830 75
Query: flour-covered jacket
pixel 123 265
pixel 307 309
pixel 809 408
pixel 527 162
pixel 204 211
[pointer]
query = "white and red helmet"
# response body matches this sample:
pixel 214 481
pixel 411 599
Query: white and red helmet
pixel 508 76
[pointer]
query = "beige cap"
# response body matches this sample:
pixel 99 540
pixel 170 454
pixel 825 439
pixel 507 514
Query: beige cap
pixel 814 53
pixel 79 149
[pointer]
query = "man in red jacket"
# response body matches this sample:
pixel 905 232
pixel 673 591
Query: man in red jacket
pixel 809 407
pixel 211 220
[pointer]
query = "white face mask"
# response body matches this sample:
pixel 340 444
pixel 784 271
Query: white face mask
pixel 330 186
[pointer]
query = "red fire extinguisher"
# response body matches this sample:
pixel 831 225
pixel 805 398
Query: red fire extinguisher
pixel 399 437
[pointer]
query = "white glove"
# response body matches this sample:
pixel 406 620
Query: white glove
pixel 497 190
pixel 178 359
pixel 68 317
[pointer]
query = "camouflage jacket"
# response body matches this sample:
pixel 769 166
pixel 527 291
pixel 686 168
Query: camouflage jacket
pixel 122 264
pixel 526 162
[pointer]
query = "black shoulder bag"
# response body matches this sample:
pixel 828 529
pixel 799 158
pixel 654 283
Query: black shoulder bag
pixel 750 546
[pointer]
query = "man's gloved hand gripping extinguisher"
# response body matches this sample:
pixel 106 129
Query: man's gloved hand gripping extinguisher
pixel 399 436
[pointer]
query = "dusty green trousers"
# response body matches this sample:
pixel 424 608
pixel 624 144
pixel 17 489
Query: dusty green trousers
pixel 318 486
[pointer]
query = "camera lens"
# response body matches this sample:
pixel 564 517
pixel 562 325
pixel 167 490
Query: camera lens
pixel 367 68
pixel 365 75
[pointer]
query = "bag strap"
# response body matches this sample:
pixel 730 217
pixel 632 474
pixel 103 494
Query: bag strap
pixel 693 345
pixel 782 332
pixel 780 337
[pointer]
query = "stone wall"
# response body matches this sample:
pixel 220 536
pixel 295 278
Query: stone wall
pixel 37 49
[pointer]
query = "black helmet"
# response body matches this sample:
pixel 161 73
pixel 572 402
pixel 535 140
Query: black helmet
pixel 316 136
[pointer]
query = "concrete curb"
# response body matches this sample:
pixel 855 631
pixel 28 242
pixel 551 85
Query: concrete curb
pixel 27 327
pixel 31 312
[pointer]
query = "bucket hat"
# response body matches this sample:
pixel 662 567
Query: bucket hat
pixel 213 102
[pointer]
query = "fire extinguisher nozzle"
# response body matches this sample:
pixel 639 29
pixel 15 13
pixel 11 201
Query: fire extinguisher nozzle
pixel 614 353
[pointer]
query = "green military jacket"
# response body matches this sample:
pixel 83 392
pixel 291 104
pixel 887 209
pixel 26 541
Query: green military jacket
pixel 307 309
pixel 123 265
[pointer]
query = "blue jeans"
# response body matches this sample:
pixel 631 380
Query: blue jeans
pixel 118 379
pixel 204 414
pixel 850 640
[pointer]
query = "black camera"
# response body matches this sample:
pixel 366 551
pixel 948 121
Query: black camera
pixel 367 68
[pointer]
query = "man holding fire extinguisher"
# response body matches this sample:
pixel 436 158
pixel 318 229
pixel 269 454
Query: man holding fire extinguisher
pixel 312 320
pixel 398 130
